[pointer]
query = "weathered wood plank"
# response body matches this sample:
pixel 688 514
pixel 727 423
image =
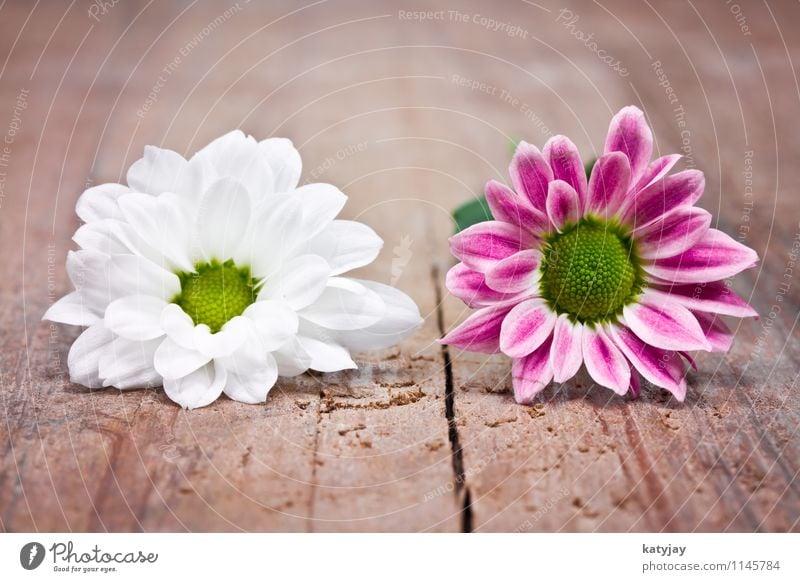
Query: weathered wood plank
pixel 383 106
pixel 727 458
pixel 133 461
pixel 382 444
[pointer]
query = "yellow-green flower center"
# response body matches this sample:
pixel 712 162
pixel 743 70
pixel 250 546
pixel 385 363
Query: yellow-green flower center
pixel 590 271
pixel 215 293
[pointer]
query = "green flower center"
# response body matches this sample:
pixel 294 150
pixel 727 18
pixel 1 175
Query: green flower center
pixel 590 271
pixel 215 293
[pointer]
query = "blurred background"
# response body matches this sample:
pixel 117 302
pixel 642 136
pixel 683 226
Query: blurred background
pixel 409 107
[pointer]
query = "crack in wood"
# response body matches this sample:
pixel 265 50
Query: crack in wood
pixel 457 451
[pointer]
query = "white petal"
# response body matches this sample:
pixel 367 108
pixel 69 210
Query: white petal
pixel 292 359
pixel 100 202
pixel 285 162
pixel 321 203
pixel 345 305
pixel 100 279
pixel 84 355
pixel 157 171
pixel 401 319
pixel 326 357
pixel 274 322
pixel 252 388
pixel 161 221
pixel 177 324
pixel 223 219
pixel 275 234
pixel 128 364
pixel 298 283
pixel 110 236
pixel 101 237
pixel 73 309
pixel 249 356
pixel 226 341
pixel 200 388
pixel 135 317
pixel 132 275
pixel 192 182
pixel 237 156
pixel 346 245
pixel 220 147
pixel 88 272
pixel 174 361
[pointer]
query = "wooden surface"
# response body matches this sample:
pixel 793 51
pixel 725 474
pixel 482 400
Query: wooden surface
pixel 419 439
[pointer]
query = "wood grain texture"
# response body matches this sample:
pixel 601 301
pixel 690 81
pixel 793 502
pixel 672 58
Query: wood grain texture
pixel 409 118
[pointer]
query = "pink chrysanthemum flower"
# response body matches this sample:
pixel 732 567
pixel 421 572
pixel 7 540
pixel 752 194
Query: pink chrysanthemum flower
pixel 621 273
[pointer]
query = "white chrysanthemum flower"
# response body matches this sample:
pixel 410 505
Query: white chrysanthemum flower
pixel 218 274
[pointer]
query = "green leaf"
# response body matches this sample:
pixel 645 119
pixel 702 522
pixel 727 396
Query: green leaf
pixel 477 209
pixel 588 167
pixel 472 212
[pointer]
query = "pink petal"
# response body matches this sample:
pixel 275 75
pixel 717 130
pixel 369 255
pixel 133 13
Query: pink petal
pixel 508 206
pixel 531 374
pixel 634 387
pixel 686 356
pixel 714 297
pixel 629 133
pixel 526 327
pixel 481 245
pixel 717 333
pixel 716 256
pixel 563 205
pixel 653 280
pixel 665 325
pixel 516 273
pixel 604 362
pixel 663 369
pixel 566 356
pixel 609 184
pixel 683 188
pixel 470 286
pixel 657 169
pixel 480 332
pixel 563 157
pixel 676 232
pixel 530 174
